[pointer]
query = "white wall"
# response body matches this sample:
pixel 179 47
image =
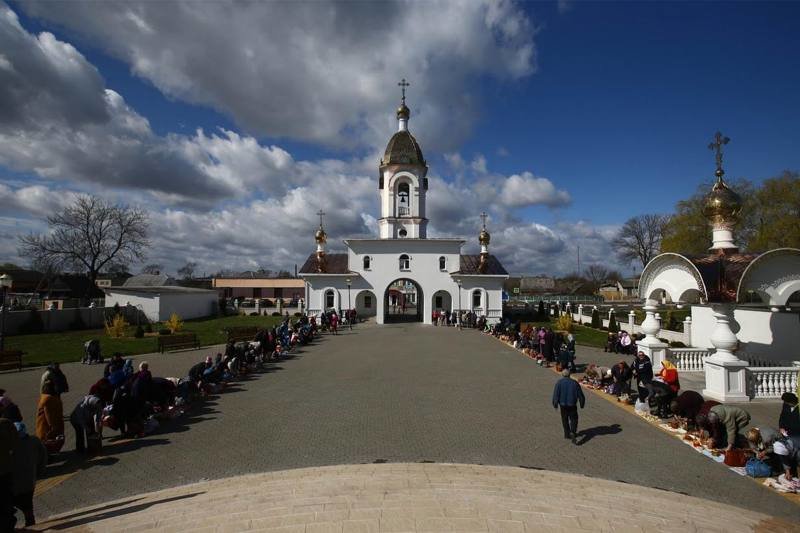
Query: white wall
pixel 148 302
pixel 159 307
pixel 771 336
pixel 188 305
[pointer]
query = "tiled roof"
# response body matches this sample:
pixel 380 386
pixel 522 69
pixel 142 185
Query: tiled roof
pixel 334 264
pixel 721 273
pixel 148 280
pixel 469 265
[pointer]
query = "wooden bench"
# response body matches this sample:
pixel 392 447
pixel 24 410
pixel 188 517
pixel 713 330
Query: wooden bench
pixel 177 342
pixel 241 333
pixel 10 359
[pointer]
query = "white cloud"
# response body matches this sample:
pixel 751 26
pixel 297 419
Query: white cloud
pixel 321 71
pixel 526 189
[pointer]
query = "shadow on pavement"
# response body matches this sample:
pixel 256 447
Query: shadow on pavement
pixel 588 434
pixel 89 517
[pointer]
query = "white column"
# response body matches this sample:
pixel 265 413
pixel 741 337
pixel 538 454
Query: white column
pixel 580 313
pixel 726 374
pixel 631 321
pixel 650 345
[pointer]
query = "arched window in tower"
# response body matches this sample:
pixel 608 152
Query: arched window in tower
pixel 476 298
pixel 367 262
pixel 403 200
pixel 443 263
pixel 405 262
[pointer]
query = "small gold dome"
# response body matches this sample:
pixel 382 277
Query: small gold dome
pixel 721 203
pixel 320 236
pixel 403 112
pixel 484 237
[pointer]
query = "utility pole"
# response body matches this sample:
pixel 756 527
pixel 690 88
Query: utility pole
pixel 579 259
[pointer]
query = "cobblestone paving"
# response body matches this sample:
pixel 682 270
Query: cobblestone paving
pixel 404 393
pixel 416 497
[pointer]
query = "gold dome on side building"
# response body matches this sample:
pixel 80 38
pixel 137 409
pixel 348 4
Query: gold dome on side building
pixel 320 236
pixel 722 203
pixel 484 237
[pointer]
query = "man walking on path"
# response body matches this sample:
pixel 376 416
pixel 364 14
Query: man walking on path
pixel 566 394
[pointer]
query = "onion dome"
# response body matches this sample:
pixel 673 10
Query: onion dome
pixel 721 204
pixel 403 112
pixel 484 237
pixel 403 149
pixel 320 236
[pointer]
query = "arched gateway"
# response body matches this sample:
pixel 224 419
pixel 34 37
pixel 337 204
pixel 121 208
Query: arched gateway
pixel 403 302
pixel 403 275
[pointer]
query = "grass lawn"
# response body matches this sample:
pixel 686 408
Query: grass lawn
pixel 67 346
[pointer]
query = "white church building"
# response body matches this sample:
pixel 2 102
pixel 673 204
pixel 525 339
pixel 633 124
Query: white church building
pixel 402 275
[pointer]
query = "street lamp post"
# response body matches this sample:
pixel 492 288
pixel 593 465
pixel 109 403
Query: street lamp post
pixel 458 316
pixel 5 283
pixel 349 308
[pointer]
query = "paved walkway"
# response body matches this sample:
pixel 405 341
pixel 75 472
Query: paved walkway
pixel 402 393
pixel 415 497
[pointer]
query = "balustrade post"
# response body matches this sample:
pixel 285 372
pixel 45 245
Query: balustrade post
pixel 631 322
pixel 651 345
pixel 726 374
pixel 687 331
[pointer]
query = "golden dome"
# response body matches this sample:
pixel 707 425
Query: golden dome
pixel 721 204
pixel 403 111
pixel 320 236
pixel 484 237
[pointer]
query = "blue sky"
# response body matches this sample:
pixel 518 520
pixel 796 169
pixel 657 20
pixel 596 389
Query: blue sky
pixel 612 104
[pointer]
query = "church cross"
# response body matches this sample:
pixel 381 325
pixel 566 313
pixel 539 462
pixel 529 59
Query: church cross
pixel 483 218
pixel 403 84
pixel 321 214
pixel 716 146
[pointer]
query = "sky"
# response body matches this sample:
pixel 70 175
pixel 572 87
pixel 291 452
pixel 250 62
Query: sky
pixel 232 124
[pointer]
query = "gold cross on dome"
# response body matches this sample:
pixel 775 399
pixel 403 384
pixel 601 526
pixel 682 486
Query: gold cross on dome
pixel 403 84
pixel 716 146
pixel 321 214
pixel 484 216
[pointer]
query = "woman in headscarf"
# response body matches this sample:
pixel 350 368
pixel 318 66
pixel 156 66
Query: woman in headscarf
pixel 50 418
pixel 665 387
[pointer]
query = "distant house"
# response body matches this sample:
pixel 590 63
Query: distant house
pixel 158 296
pixel 257 286
pixel 625 289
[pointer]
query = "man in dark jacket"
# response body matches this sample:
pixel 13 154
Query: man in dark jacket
pixel 789 420
pixel 567 394
pixel 643 374
pixel 8 443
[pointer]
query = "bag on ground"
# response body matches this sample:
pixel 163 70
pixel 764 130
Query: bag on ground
pixel 757 468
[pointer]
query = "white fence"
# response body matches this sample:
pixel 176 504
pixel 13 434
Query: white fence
pixel 765 379
pixel 624 323
pixel 771 382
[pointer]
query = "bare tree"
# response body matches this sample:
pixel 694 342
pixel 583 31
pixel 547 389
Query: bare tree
pixel 596 274
pixel 187 270
pixel 640 238
pixel 152 268
pixel 88 235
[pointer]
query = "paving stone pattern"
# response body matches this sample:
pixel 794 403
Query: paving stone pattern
pixel 402 393
pixel 416 497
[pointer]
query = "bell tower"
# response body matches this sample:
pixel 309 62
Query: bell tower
pixel 402 182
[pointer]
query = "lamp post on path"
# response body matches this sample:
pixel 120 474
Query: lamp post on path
pixel 349 308
pixel 5 283
pixel 458 316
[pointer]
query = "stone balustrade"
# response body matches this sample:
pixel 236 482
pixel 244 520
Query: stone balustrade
pixel 688 359
pixel 771 382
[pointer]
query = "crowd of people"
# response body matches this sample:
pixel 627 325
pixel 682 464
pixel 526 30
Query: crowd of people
pixel 127 399
pixel 464 319
pixel 657 392
pixel 546 346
